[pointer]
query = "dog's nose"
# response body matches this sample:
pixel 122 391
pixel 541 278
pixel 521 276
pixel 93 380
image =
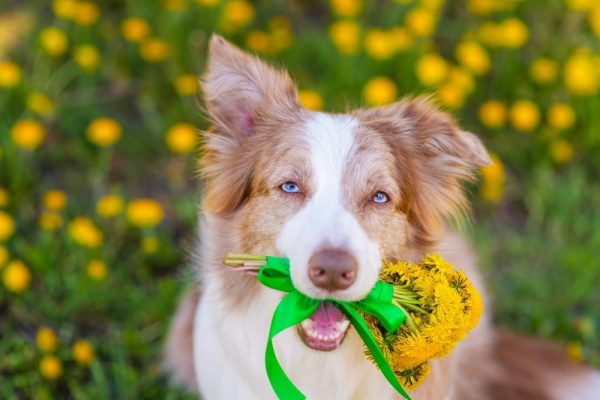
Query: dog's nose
pixel 332 269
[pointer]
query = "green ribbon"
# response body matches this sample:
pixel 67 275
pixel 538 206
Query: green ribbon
pixel 295 307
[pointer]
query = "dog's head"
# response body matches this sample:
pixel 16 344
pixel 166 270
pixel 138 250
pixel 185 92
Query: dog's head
pixel 335 194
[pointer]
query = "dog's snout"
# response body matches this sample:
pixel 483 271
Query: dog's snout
pixel 332 269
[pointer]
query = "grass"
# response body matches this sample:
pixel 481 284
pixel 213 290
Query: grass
pixel 535 212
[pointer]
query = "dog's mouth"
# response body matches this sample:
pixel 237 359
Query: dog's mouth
pixel 326 329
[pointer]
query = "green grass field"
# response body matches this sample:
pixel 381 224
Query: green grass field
pixel 98 180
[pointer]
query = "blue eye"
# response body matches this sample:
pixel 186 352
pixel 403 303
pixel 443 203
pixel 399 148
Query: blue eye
pixel 380 198
pixel 290 187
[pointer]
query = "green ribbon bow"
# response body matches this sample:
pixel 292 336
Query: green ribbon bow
pixel 295 307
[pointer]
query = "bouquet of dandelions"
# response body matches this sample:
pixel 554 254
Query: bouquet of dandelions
pixel 415 313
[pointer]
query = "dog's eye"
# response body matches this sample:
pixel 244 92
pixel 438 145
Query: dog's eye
pixel 380 198
pixel 290 187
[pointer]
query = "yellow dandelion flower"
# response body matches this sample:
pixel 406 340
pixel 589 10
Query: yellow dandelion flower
pixel 46 339
pixel 380 44
pixel 87 13
pixel 104 132
pixel 65 9
pixel 462 79
pixel 345 35
pixel 135 29
pixel 543 70
pixel 97 270
pixel 281 33
pixel 50 367
pixel 3 256
pixel 4 197
pixel 481 7
pixel 492 114
pixel 580 75
pixel 40 104
pixel 581 5
pixel 187 84
pixel 561 151
pixel 473 57
pixel 150 244
pixel 379 91
pixel 50 221
pixel 259 42
pixel 410 379
pixel 490 33
pixel 237 14
pixel 10 74
pixel 514 33
pixel 7 226
pixel 402 38
pixel 16 276
pixel 421 22
pixel 83 352
pixel 28 134
pixel 182 138
pixel 109 206
pixel 145 213
pixel 84 232
pixel 208 3
pixel 154 50
pixel 432 69
pixel 594 21
pixel 493 177
pixel 55 200
pixel 54 41
pixel 561 116
pixel 346 8
pixel 87 57
pixel 451 96
pixel 311 99
pixel 524 115
pixel 575 351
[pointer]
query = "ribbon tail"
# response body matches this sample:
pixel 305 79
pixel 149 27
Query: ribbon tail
pixel 363 330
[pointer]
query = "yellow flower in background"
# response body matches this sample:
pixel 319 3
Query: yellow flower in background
pixel 7 226
pixel 346 8
pixel 561 116
pixel 543 70
pixel 55 200
pixel 451 96
pixel 187 84
pixel 561 151
pixel 65 9
pixel 575 351
pixel 16 276
pixel 524 115
pixel 490 34
pixel 54 41
pixel 513 33
pixel 311 99
pixel 10 74
pixel 3 256
pixel 28 134
pixel 145 213
pixel 493 178
pixel 40 104
pixel 282 36
pixel 87 13
pixel 473 57
pixel 150 244
pixel 182 138
pixel 96 269
pixel 581 5
pixel 594 21
pixel 154 50
pixel 135 29
pixel 380 44
pixel 259 42
pixel 50 367
pixel 84 232
pixel 492 114
pixel 345 35
pixel 402 38
pixel 83 352
pixel 379 91
pixel 208 3
pixel 109 206
pixel 4 197
pixel 237 14
pixel 581 75
pixel 173 5
pixel 104 132
pixel 481 7
pixel 421 22
pixel 461 78
pixel 46 339
pixel 50 221
pixel 432 69
pixel 87 57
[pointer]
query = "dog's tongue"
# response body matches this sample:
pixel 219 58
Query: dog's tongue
pixel 326 316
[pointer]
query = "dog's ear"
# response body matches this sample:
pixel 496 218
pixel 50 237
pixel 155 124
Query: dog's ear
pixel 239 88
pixel 433 156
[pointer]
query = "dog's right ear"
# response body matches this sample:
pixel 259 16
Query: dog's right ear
pixel 239 89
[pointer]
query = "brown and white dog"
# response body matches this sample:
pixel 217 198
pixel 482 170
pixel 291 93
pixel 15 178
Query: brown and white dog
pixel 336 194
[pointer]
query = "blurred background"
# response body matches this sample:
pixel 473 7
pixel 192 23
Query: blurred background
pixel 98 149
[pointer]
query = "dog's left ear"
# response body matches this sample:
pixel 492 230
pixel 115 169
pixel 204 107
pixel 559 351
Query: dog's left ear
pixel 433 156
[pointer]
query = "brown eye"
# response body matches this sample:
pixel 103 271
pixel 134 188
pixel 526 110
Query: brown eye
pixel 380 198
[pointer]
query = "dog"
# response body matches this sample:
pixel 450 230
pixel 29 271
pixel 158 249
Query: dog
pixel 336 194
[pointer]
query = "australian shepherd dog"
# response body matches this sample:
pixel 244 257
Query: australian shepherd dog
pixel 336 194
